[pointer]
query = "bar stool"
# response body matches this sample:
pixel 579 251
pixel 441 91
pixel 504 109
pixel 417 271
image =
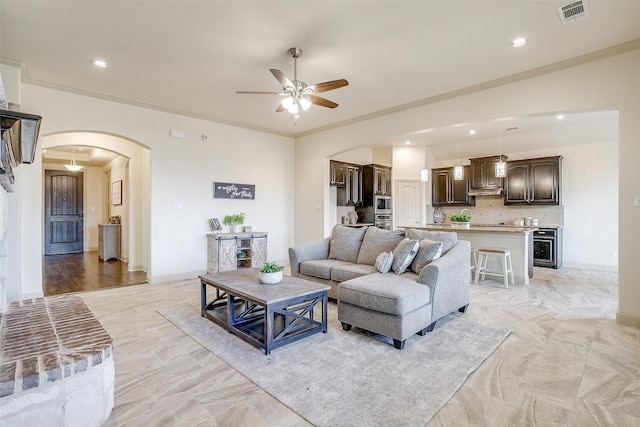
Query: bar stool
pixel 474 259
pixel 507 269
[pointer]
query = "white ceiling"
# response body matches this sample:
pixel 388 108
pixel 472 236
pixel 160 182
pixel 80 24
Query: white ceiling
pixel 190 57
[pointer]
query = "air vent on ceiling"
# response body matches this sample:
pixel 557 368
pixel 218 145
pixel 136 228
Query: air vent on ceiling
pixel 573 11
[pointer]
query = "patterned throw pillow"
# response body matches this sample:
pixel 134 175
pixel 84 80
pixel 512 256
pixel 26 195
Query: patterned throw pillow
pixel 384 261
pixel 345 243
pixel 403 255
pixel 428 251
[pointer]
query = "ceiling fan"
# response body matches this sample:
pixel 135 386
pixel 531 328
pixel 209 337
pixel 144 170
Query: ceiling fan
pixel 296 94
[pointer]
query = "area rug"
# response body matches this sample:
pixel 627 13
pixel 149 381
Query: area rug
pixel 355 378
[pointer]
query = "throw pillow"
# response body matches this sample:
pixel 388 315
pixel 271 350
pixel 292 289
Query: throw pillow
pixel 345 243
pixel 448 238
pixel 376 240
pixel 384 261
pixel 428 251
pixel 403 255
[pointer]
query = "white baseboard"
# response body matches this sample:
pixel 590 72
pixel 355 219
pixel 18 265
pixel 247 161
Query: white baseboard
pixel 628 319
pixel 595 267
pixel 176 277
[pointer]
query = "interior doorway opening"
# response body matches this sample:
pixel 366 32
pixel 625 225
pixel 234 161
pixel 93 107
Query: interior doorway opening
pixel 110 164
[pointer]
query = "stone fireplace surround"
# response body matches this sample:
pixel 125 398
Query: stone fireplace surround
pixel 56 364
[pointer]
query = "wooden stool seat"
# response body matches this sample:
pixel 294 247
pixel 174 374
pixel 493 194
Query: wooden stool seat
pixel 507 269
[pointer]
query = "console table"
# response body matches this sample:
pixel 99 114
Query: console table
pixel 233 251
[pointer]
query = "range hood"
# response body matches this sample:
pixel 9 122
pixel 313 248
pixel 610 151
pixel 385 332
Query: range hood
pixel 486 192
pixel 19 132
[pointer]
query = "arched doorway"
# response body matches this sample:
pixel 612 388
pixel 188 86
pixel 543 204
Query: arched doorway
pixel 109 162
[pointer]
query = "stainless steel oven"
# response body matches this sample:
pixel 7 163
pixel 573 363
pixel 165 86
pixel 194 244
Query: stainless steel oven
pixel 382 204
pixel 547 247
pixel 383 221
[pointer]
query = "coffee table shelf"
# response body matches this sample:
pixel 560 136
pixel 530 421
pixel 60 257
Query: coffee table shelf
pixel 266 316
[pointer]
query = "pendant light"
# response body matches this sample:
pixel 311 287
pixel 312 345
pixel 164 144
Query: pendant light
pixel 501 167
pixel 458 171
pixel 73 166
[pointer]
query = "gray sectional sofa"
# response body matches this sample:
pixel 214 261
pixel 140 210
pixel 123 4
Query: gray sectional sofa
pixel 394 283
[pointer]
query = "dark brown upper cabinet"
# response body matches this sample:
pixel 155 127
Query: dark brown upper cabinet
pixel 483 173
pixel 533 181
pixel 337 173
pixel 446 191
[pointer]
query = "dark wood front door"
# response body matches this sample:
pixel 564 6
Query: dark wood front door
pixel 63 216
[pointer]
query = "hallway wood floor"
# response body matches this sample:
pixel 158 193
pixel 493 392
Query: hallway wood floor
pixel 85 272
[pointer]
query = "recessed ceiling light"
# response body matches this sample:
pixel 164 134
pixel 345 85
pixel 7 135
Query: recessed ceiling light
pixel 519 42
pixel 559 117
pixel 408 142
pixel 472 132
pixel 99 63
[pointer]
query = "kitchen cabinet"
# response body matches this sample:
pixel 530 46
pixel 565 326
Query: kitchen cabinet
pixel 533 182
pixel 337 173
pixel 233 251
pixel 108 241
pixel 376 181
pixel 446 191
pixel 351 193
pixel 483 173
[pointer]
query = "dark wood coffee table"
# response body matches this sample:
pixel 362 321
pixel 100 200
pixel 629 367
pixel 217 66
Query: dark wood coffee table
pixel 266 316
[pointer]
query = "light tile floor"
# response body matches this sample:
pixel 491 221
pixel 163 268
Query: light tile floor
pixel 567 362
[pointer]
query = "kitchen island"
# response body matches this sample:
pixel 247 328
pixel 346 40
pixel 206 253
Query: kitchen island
pixel 519 240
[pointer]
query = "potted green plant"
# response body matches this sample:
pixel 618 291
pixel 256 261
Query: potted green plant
pixel 460 220
pixel 234 221
pixel 271 273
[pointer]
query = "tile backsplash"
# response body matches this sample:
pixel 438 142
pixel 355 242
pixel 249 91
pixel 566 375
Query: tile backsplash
pixel 491 210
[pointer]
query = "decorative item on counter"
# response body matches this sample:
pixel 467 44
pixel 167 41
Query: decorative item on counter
pixel 345 219
pixel 234 221
pixel 353 217
pixel 534 222
pixel 527 221
pixel 439 216
pixel 519 222
pixel 271 273
pixel 460 220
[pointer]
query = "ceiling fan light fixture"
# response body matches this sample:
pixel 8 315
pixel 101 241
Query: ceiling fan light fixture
pixel 304 103
pixel 293 109
pixel 287 102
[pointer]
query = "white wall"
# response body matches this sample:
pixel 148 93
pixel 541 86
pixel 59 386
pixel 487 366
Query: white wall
pixel 179 172
pixel 610 83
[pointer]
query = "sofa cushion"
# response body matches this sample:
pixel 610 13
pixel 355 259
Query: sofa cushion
pixel 448 238
pixel 428 250
pixel 345 243
pixel 347 271
pixel 386 293
pixel 376 240
pixel 320 268
pixel 384 262
pixel 403 255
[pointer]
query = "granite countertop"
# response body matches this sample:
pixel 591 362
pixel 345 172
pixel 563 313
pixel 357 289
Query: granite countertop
pixel 480 228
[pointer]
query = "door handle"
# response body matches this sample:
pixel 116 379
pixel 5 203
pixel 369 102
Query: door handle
pixel 80 215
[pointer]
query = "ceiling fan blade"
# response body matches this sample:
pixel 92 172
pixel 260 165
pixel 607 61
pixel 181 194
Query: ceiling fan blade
pixel 280 109
pixel 317 100
pixel 253 92
pixel 326 86
pixel 281 77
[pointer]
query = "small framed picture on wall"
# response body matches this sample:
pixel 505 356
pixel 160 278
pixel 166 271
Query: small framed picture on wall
pixel 116 193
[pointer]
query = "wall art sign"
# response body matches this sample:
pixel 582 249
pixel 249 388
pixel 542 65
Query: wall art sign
pixel 227 190
pixel 116 193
